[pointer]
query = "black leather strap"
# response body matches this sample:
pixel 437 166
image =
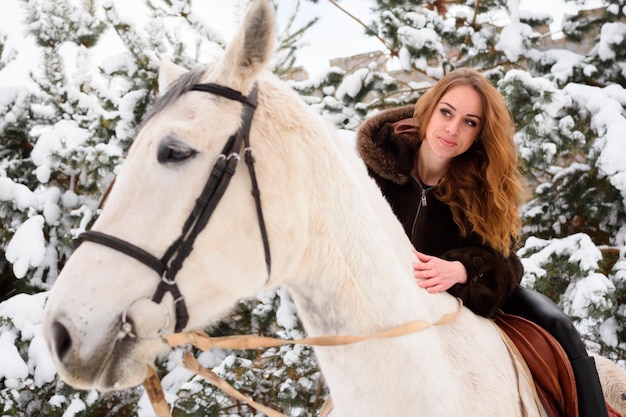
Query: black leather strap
pixel 227 92
pixel 122 246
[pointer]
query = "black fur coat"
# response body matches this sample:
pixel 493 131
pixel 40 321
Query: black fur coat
pixel 428 222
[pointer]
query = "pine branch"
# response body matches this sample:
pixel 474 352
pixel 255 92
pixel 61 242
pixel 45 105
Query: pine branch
pixel 390 48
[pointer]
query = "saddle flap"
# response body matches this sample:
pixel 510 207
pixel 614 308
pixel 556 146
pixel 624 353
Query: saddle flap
pixel 547 361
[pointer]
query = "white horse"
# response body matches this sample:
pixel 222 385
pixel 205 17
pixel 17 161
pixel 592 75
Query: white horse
pixel 334 243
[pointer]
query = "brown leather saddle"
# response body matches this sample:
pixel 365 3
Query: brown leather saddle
pixel 548 364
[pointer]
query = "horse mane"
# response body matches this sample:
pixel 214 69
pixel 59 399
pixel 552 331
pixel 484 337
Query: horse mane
pixel 182 85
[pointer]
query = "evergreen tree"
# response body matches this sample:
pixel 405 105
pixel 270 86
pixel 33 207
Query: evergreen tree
pixel 62 141
pixel 567 98
pixel 64 137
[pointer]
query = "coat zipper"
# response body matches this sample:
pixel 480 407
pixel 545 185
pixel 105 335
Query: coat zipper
pixel 423 201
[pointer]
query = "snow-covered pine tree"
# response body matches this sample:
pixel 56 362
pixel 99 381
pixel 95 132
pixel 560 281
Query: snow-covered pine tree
pixel 567 97
pixel 572 102
pixel 63 137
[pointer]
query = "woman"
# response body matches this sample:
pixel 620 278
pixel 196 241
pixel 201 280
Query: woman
pixel 448 168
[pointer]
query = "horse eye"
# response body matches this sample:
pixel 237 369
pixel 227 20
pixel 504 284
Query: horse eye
pixel 174 152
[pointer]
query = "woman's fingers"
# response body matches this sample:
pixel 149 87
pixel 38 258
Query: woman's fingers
pixel 430 287
pixel 422 257
pixel 436 274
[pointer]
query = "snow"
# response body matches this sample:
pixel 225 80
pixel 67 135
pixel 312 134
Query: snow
pixel 511 41
pixel 286 314
pixel 553 99
pixel 51 209
pixel 605 107
pixel 63 135
pixel 590 291
pixel 537 252
pixel 353 83
pixel 418 38
pixel 12 366
pixel 611 35
pixel 563 63
pixel 40 362
pixel 18 194
pixel 25 313
pixel 609 332
pixel 27 248
pixel 7 96
pixel 76 406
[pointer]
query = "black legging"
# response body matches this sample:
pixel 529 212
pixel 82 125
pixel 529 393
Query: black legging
pixel 541 310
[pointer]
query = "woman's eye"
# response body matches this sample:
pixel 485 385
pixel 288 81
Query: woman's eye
pixel 445 112
pixel 174 152
pixel 471 123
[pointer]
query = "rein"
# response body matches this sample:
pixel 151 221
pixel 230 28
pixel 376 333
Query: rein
pixel 171 262
pixel 204 342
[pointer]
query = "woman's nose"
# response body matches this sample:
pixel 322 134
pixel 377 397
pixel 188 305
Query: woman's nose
pixel 452 127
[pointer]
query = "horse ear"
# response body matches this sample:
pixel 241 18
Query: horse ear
pixel 168 72
pixel 253 45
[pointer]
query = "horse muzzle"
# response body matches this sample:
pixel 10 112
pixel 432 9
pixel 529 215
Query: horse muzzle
pixel 114 358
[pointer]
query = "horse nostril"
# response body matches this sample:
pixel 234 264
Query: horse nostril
pixel 61 339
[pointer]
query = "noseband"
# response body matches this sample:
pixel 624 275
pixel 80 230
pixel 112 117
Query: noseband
pixel 172 261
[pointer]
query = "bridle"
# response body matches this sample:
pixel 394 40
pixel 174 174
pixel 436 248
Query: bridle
pixel 171 262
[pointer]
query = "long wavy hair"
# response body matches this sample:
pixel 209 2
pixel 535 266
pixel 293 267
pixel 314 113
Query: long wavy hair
pixel 483 186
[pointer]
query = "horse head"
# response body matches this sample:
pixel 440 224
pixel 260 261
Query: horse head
pixel 117 293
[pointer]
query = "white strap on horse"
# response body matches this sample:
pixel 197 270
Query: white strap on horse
pixel 204 342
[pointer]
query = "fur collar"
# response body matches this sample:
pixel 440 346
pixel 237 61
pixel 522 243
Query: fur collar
pixel 387 154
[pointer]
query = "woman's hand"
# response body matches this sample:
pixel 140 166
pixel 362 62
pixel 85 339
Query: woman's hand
pixel 437 274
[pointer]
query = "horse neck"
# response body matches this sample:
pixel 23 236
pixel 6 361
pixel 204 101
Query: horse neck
pixel 354 257
pixel 347 264
pixel 360 282
pixel 358 268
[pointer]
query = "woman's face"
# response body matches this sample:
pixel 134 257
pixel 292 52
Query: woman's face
pixel 455 123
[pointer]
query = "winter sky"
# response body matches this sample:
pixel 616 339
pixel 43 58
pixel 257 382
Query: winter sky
pixel 335 35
